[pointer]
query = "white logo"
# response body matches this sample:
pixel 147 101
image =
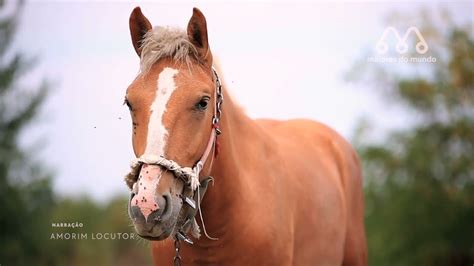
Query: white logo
pixel 402 46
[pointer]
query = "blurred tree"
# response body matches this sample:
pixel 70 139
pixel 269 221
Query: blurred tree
pixel 419 182
pixel 25 187
pixel 109 219
pixel 28 204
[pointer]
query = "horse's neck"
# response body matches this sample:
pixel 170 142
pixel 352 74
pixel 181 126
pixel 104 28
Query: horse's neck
pixel 228 167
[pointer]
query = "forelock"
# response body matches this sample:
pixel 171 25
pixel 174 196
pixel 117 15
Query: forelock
pixel 166 42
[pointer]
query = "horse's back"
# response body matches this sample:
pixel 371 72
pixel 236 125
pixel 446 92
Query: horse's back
pixel 327 180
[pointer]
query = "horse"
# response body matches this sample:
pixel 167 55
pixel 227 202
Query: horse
pixel 262 192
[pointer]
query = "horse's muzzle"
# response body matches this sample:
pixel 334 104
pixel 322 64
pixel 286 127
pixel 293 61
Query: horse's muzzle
pixel 150 211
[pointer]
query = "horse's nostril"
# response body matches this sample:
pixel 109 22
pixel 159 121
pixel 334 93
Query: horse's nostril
pixel 164 203
pixel 147 207
pixel 161 202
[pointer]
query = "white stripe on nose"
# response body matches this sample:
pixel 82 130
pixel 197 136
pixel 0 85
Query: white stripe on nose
pixel 157 133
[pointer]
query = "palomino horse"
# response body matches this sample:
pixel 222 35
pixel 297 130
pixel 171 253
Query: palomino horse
pixel 283 193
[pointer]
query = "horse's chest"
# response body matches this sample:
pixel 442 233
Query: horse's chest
pixel 242 255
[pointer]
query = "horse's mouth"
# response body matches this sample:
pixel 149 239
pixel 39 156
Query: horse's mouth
pixel 162 236
pixel 155 230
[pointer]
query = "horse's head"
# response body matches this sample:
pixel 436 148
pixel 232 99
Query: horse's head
pixel 172 105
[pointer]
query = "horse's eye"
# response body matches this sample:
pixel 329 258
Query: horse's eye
pixel 203 103
pixel 126 102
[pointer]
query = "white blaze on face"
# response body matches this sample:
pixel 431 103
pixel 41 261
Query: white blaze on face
pixel 157 133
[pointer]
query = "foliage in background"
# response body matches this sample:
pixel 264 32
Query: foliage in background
pixel 419 182
pixel 28 204
pixel 111 218
pixel 25 187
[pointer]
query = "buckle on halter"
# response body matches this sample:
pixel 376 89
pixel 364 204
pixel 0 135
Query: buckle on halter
pixel 215 126
pixel 190 202
pixel 182 237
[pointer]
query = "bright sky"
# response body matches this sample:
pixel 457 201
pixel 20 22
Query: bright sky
pixel 280 61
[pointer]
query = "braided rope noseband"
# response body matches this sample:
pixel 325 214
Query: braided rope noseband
pixel 190 176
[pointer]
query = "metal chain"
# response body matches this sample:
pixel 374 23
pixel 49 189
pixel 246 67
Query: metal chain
pixel 219 100
pixel 177 257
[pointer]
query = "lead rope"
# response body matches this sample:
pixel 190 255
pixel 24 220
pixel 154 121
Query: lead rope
pixel 202 221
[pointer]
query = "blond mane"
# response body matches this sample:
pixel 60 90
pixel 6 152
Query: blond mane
pixel 162 42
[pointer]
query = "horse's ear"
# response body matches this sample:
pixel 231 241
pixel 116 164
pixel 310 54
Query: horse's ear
pixel 139 25
pixel 197 34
